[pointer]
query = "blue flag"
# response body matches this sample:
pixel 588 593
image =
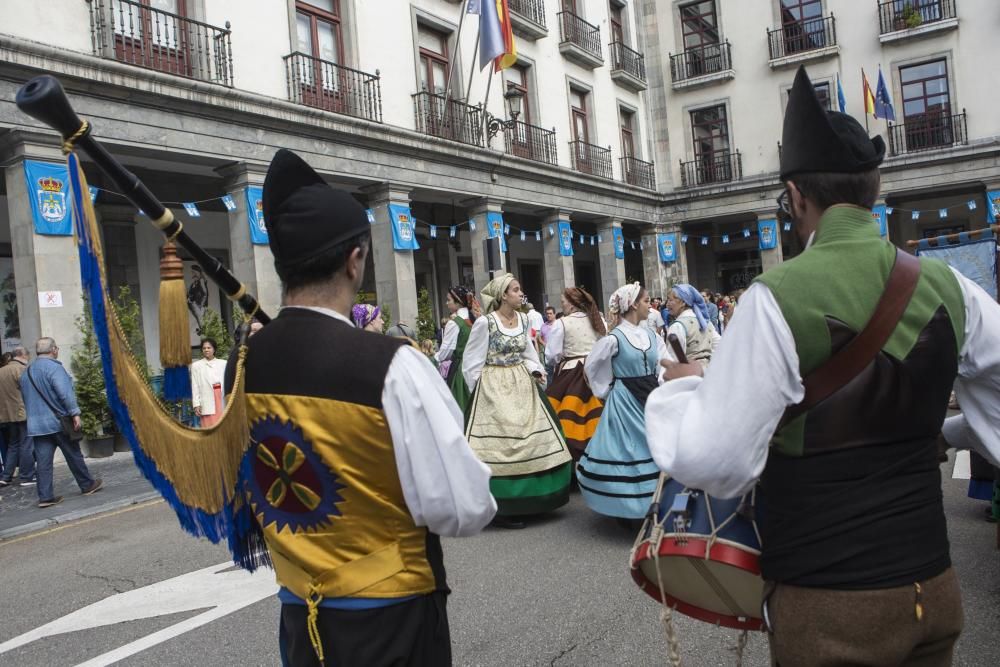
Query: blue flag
pixel 667 245
pixel 619 239
pixel 255 215
pixel 47 190
pixel 565 239
pixel 495 228
pixel 883 102
pixel 767 234
pixel 841 100
pixel 403 236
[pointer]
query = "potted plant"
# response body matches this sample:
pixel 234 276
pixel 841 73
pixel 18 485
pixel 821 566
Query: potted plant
pixel 91 394
pixel 911 16
pixel 130 319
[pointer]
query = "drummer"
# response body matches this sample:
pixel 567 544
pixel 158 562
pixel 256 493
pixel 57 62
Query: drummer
pixel 855 547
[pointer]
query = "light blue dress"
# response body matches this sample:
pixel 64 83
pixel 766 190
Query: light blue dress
pixel 617 474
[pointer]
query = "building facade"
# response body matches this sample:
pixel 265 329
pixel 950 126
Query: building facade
pixel 645 116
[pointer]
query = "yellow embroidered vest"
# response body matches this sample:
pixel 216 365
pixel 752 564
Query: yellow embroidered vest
pixel 321 474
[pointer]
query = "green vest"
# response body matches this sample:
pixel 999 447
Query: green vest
pixel 847 245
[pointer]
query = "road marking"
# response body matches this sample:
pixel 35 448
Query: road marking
pixel 73 524
pixel 221 589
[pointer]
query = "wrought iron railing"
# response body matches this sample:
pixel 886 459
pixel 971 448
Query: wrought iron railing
pixel 591 159
pixel 533 10
pixel 628 60
pixel 137 34
pixel 907 14
pixel 532 142
pixel 637 172
pixel 325 85
pixel 574 29
pixel 927 132
pixel 700 61
pixel 802 36
pixel 448 118
pixel 721 167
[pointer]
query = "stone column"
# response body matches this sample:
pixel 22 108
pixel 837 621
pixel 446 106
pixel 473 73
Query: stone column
pixel 559 273
pixel 612 268
pixel 478 210
pixel 252 264
pixel 770 258
pixel 41 263
pixel 654 272
pixel 395 280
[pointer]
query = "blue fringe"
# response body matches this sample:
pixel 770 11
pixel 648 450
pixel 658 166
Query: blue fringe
pixel 235 524
pixel 176 383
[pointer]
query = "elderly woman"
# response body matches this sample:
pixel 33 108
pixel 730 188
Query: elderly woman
pixel 510 425
pixel 617 475
pixel 462 305
pixel 691 324
pixel 207 376
pixel 570 340
pixel 367 317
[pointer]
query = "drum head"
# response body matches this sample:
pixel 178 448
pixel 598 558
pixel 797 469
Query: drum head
pixel 724 589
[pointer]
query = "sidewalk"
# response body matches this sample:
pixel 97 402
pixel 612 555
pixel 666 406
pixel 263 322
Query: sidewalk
pixel 123 485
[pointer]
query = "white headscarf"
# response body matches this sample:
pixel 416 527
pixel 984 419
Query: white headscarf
pixel 624 298
pixel 493 293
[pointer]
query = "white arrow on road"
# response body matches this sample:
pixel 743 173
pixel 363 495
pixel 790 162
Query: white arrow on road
pixel 220 589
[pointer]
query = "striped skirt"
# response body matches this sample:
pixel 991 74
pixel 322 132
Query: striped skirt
pixel 579 411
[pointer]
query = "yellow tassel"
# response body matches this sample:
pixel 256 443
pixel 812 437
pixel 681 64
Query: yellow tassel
pixel 175 336
pixel 918 604
pixel 312 604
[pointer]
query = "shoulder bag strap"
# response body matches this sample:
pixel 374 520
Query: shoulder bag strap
pixel 854 357
pixel 44 398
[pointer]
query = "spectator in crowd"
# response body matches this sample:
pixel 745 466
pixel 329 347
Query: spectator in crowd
pixel 550 320
pixel 654 320
pixel 713 310
pixel 48 396
pixel 206 384
pixel 20 454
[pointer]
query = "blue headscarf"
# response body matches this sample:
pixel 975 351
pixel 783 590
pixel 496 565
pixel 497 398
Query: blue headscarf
pixel 696 301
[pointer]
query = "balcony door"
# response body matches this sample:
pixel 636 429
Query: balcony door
pixel 521 137
pixel 616 13
pixel 443 117
pixel 151 33
pixel 323 84
pixel 700 34
pixel 581 131
pixel 710 134
pixel 926 105
pixel 802 26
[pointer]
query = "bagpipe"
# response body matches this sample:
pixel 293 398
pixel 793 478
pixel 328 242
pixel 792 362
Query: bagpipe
pixel 195 470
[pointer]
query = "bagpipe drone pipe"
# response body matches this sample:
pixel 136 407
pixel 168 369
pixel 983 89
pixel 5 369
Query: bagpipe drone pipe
pixel 195 470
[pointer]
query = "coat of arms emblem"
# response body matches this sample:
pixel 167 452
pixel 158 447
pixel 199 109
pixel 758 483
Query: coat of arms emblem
pixel 668 247
pixel 767 236
pixel 51 199
pixel 259 208
pixel 405 229
pixel 567 240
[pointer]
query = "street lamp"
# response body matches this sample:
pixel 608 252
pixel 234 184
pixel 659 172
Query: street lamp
pixel 515 100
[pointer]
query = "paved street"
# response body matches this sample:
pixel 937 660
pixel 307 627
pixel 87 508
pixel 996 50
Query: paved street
pixel 557 593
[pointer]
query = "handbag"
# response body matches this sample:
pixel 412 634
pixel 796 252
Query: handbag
pixel 66 421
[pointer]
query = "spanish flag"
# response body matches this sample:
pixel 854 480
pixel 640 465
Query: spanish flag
pixel 869 95
pixel 509 55
pixel 496 33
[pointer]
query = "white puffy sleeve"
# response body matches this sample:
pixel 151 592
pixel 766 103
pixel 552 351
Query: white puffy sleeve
pixel 476 347
pixel 597 367
pixel 445 486
pixel 530 354
pixel 449 340
pixel 554 343
pixel 677 329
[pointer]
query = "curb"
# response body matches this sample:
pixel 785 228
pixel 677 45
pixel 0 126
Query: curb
pixel 76 515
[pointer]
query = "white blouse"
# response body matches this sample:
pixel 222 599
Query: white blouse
pixel 598 368
pixel 449 337
pixel 479 344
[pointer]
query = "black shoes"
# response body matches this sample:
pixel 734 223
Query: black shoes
pixel 507 522
pixel 50 503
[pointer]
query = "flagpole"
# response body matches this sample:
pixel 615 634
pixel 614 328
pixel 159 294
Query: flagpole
pixel 472 69
pixel 486 103
pixel 458 49
pixel 864 97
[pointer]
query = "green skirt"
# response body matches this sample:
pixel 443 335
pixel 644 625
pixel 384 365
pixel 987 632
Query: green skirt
pixel 459 389
pixel 532 494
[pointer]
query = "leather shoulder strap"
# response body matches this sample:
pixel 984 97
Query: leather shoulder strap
pixel 854 357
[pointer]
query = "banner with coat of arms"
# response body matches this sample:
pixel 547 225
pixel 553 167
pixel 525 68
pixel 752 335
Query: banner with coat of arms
pixel 879 215
pixel 495 228
pixel 767 234
pixel 255 214
pixel 404 235
pixel 667 244
pixel 992 206
pixel 565 239
pixel 619 239
pixel 48 184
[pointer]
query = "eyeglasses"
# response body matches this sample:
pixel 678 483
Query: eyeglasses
pixel 784 203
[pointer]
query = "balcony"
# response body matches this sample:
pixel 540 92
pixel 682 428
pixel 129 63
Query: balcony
pixel 802 41
pixel 928 132
pixel 901 20
pixel 531 142
pixel 701 66
pixel 628 67
pixel 132 32
pixel 332 87
pixel 591 159
pixel 638 173
pixel 722 167
pixel 448 119
pixel 580 41
pixel 527 18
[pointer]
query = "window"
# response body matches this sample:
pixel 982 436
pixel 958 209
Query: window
pixel 627 121
pixel 569 6
pixel 151 34
pixel 927 106
pixel 578 109
pixel 823 93
pixel 802 25
pixel 710 133
pixel 317 27
pixel 516 77
pixel 616 14
pixel 433 59
pixel 699 24
pixel 929 10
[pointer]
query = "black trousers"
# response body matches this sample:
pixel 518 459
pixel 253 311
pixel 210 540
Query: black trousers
pixel 410 634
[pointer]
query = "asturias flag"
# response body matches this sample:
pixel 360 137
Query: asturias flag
pixel 883 102
pixel 869 96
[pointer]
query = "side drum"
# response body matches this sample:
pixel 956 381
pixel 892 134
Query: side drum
pixel 701 556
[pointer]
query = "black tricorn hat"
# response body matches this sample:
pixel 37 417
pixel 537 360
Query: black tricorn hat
pixel 304 216
pixel 817 140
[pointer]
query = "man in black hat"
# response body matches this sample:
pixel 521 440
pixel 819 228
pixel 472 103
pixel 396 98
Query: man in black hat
pixel 854 543
pixel 358 460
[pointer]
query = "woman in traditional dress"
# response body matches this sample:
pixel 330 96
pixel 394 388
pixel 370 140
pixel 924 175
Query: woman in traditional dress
pixel 510 425
pixel 461 304
pixel 207 376
pixel 569 342
pixel 367 317
pixel 691 325
pixel 617 475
